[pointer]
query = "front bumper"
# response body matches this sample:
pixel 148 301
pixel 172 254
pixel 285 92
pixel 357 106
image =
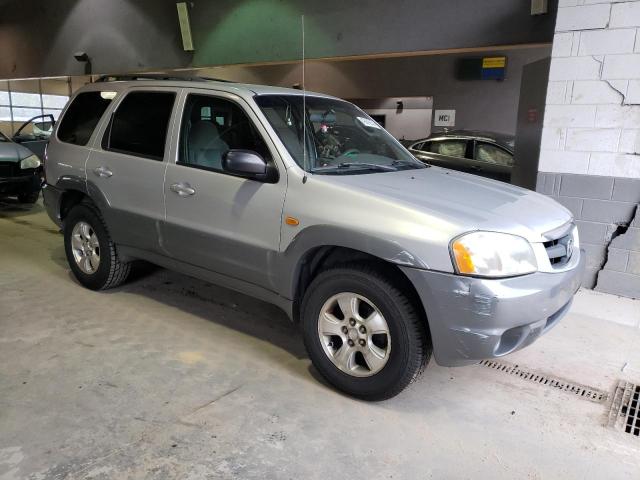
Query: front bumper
pixel 472 319
pixel 20 184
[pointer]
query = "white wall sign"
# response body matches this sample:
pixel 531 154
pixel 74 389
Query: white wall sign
pixel 444 118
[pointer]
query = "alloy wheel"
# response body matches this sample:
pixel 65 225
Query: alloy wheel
pixel 85 247
pixel 354 334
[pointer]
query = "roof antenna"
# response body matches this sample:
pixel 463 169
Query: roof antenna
pixel 305 161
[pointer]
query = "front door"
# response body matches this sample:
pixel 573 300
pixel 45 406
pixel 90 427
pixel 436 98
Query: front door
pixel 226 224
pixel 128 167
pixel 493 161
pixel 34 133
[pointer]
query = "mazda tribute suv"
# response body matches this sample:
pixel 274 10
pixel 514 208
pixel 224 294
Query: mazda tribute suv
pixel 302 200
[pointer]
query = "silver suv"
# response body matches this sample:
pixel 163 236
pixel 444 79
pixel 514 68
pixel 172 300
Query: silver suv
pixel 302 200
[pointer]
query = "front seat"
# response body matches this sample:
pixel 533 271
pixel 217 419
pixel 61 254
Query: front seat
pixel 205 145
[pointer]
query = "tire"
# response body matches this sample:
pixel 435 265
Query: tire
pixel 407 348
pixel 109 271
pixel 29 197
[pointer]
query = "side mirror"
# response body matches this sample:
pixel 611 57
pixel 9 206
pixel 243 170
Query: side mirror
pixel 246 164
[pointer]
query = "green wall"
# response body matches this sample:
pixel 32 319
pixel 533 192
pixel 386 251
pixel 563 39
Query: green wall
pixel 39 38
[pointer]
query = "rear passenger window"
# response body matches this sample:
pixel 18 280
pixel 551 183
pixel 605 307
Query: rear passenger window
pixel 140 123
pixel 82 116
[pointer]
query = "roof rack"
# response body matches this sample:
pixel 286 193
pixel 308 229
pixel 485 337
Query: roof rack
pixel 149 76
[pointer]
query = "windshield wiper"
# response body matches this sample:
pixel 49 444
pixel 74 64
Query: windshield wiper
pixel 415 164
pixel 364 166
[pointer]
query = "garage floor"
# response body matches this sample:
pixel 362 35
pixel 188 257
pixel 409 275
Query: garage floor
pixel 169 377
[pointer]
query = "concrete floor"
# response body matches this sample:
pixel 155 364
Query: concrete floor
pixel 169 377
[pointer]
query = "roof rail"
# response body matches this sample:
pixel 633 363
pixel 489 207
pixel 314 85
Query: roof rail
pixel 154 76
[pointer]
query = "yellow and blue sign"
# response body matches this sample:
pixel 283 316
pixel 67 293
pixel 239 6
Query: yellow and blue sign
pixel 493 68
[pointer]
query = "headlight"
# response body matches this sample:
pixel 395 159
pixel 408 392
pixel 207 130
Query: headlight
pixel 30 162
pixel 492 254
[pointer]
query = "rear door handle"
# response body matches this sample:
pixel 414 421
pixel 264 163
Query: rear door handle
pixel 182 189
pixel 103 172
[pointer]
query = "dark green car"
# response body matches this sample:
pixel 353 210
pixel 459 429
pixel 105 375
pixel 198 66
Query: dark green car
pixel 481 153
pixel 20 171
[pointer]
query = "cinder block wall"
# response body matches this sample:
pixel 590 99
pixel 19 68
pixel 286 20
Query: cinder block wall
pixel 590 152
pixel 603 207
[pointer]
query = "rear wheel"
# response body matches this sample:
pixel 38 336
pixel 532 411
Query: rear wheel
pixel 362 333
pixel 90 251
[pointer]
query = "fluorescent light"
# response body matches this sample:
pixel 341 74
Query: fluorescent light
pixel 185 26
pixel 108 95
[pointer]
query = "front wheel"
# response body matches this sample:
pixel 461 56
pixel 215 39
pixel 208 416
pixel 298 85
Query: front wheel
pixel 362 333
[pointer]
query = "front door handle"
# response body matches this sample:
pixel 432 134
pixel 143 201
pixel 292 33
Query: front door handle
pixel 103 172
pixel 182 189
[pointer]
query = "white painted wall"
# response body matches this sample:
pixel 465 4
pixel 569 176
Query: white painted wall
pixel 592 118
pixel 410 124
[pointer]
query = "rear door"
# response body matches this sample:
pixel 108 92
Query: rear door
pixel 225 224
pixel 128 165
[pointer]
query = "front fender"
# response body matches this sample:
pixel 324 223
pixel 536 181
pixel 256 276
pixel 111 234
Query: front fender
pixel 316 236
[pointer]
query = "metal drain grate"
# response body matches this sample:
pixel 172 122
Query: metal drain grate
pixel 582 391
pixel 625 409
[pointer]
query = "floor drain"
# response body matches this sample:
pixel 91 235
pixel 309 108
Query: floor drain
pixel 582 391
pixel 625 409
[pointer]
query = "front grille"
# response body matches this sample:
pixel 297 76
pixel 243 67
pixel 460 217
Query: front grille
pixel 7 169
pixel 560 250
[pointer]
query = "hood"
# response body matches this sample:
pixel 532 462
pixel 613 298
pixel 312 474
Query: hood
pixel 13 152
pixel 470 201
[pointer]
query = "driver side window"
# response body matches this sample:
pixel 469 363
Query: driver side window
pixel 211 127
pixel 492 154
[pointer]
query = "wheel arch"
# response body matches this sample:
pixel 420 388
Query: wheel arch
pixel 322 239
pixel 69 199
pixel 76 190
pixel 321 257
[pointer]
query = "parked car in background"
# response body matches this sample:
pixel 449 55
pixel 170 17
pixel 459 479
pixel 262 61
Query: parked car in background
pixel 34 133
pixel 482 153
pixel 20 171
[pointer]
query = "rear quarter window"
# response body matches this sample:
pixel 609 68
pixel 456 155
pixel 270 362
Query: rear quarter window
pixel 81 117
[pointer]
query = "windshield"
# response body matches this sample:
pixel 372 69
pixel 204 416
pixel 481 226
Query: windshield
pixel 340 138
pixel 3 138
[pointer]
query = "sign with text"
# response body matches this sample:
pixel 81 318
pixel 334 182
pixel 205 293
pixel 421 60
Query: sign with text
pixel 444 118
pixel 493 68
